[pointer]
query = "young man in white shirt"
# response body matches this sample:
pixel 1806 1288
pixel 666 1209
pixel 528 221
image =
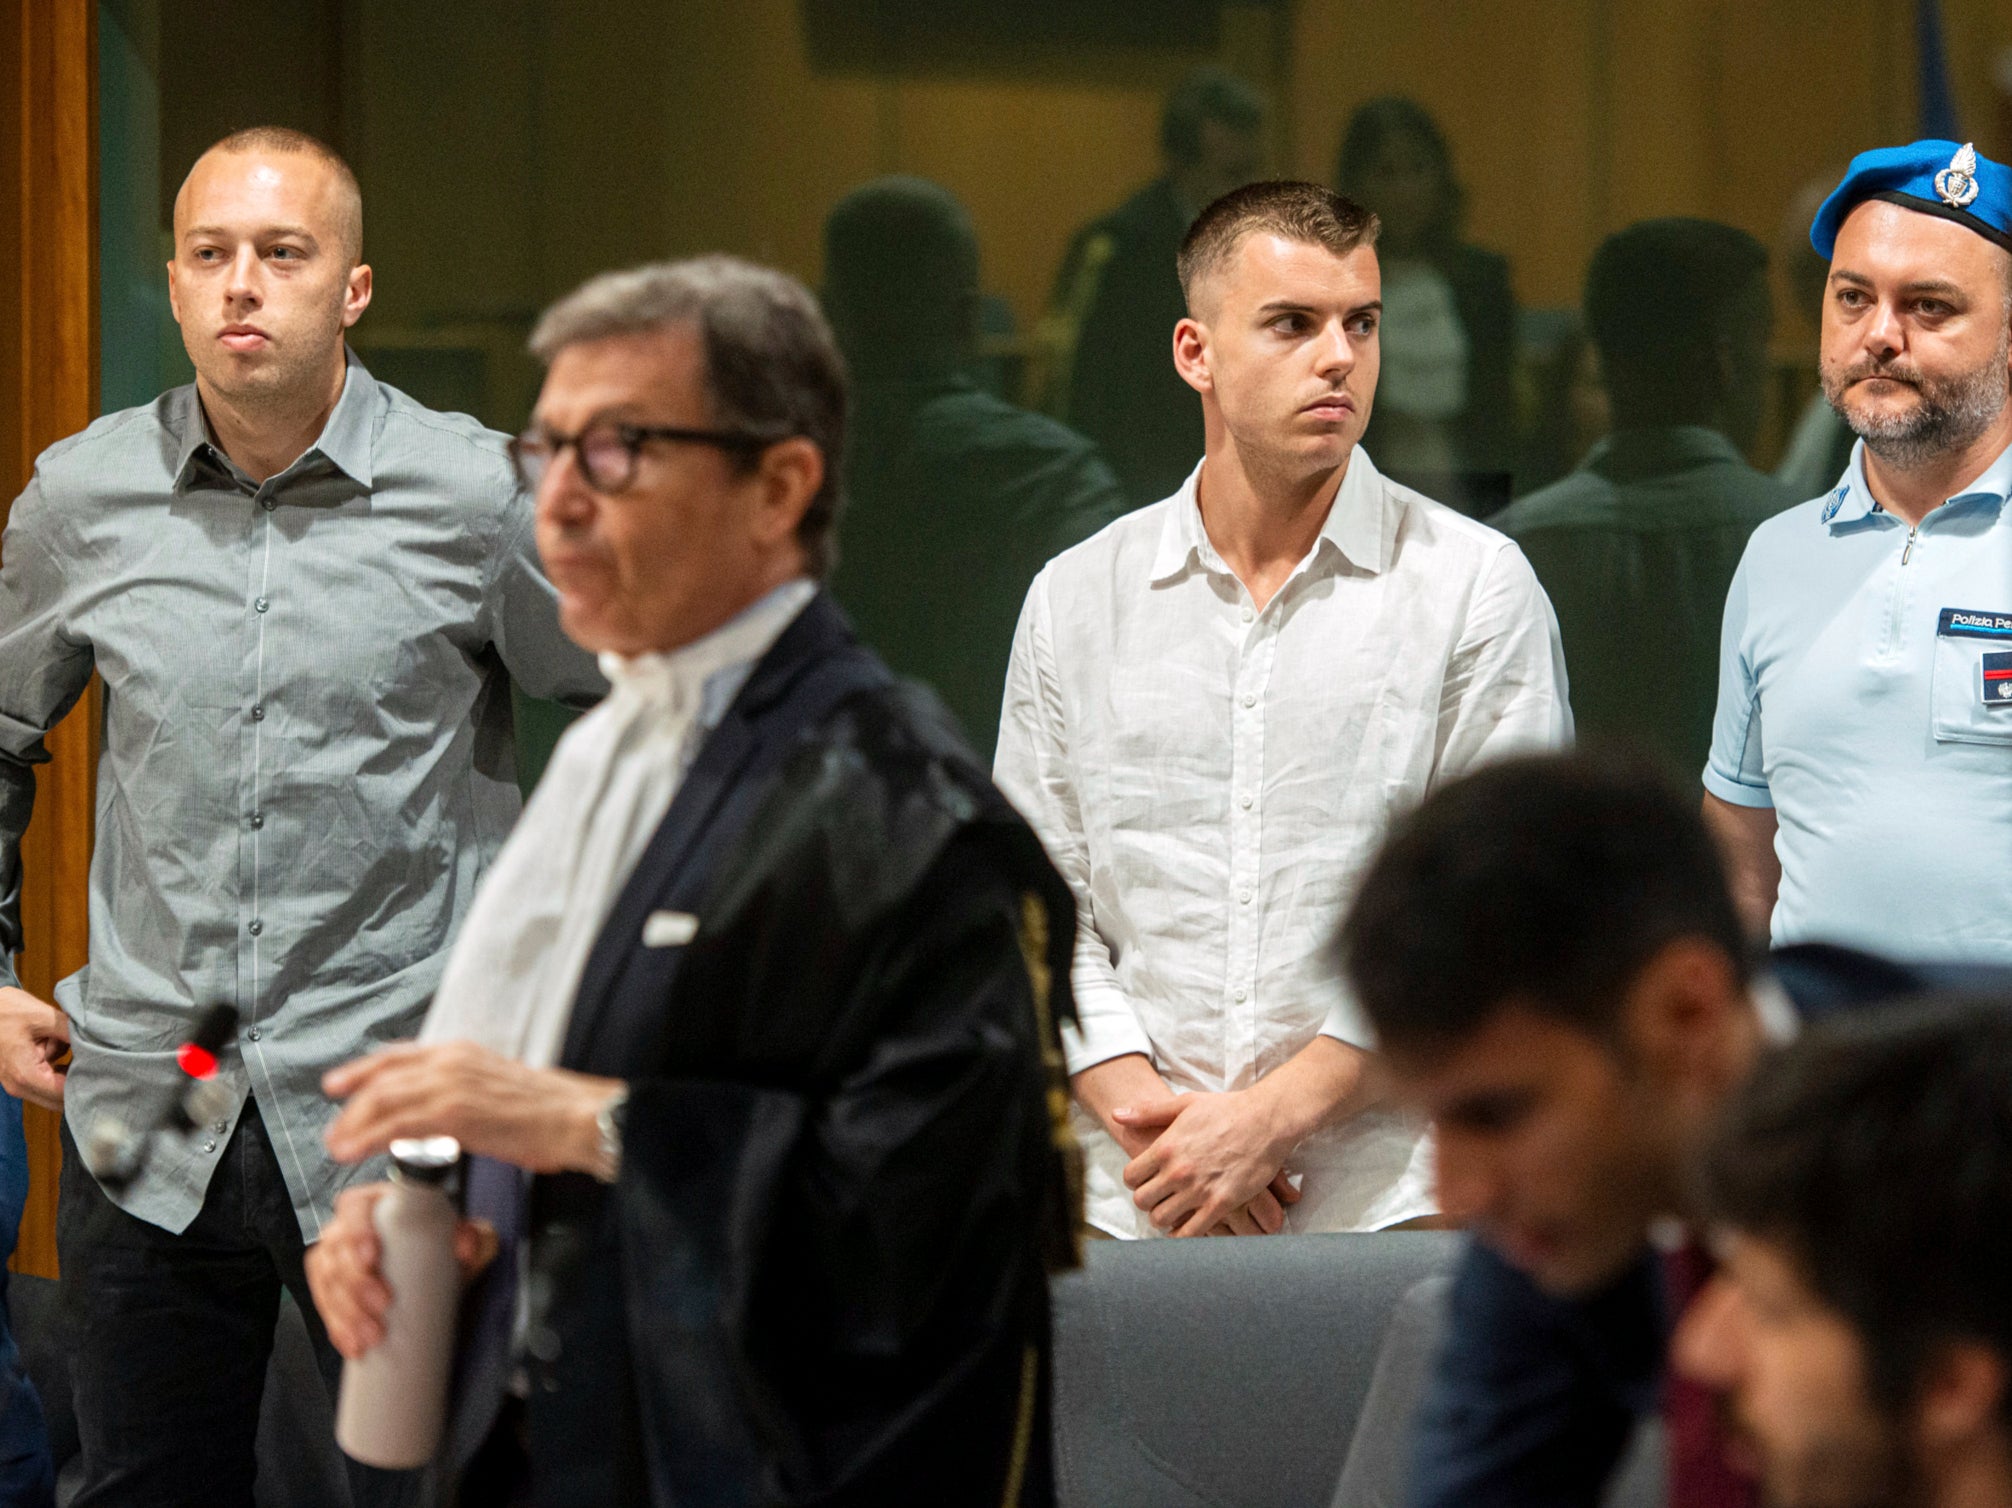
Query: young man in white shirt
pixel 1213 708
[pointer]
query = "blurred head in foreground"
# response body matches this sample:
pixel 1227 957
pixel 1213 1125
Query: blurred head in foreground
pixel 1861 1325
pixel 1556 973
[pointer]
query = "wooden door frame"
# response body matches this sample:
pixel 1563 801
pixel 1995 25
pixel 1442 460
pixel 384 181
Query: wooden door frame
pixel 49 389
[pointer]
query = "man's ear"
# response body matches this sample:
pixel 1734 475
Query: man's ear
pixel 1683 1011
pixel 1191 355
pixel 1962 1396
pixel 790 473
pixel 356 297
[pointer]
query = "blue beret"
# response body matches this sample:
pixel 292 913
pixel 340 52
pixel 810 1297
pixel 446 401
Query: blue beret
pixel 1945 178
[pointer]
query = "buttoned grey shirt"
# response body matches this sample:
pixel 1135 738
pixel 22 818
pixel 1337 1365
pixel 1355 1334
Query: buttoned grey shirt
pixel 307 756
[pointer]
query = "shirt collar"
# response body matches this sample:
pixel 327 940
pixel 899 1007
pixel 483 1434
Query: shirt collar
pixel 704 676
pixel 344 441
pixel 1851 500
pixel 1359 525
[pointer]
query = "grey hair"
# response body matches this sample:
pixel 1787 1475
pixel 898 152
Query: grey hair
pixel 772 367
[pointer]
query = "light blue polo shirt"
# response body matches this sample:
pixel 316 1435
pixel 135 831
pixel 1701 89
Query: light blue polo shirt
pixel 1865 692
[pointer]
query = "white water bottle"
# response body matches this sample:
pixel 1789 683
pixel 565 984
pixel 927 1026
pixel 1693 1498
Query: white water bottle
pixel 393 1402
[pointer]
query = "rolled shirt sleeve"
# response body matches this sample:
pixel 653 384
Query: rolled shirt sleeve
pixel 1735 771
pixel 1032 769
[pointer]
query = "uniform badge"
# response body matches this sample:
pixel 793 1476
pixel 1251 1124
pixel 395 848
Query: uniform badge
pixel 1836 502
pixel 1998 679
pixel 1973 623
pixel 1956 185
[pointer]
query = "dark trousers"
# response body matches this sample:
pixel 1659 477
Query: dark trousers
pixel 170 1335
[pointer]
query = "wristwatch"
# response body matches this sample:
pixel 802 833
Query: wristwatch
pixel 608 1122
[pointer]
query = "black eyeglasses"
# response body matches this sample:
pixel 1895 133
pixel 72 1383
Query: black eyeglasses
pixel 608 451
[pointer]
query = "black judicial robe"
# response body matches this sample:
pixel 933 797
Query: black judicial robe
pixel 822 1274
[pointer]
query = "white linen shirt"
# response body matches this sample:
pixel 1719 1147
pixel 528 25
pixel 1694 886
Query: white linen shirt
pixel 1211 780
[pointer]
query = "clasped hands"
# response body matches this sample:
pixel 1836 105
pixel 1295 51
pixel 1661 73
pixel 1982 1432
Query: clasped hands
pixel 541 1119
pixel 1207 1164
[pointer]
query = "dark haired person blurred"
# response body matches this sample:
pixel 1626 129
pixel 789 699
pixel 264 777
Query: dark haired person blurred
pixel 1212 709
pixel 954 498
pixel 1637 546
pixel 1118 298
pixel 1861 1325
pixel 1572 413
pixel 1447 406
pixel 1555 972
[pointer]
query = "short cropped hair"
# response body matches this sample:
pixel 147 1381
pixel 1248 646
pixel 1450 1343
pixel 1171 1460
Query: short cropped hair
pixel 771 365
pixel 1660 293
pixel 1303 212
pixel 1876 1152
pixel 1208 93
pixel 288 142
pixel 1546 880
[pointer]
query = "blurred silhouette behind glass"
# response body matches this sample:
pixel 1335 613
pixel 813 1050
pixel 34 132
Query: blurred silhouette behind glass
pixel 1445 410
pixel 1570 409
pixel 1116 300
pixel 955 499
pixel 1819 446
pixel 1637 546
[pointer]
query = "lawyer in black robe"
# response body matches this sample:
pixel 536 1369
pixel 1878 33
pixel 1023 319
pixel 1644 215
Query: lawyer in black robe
pixel 820 1277
pixel 802 1162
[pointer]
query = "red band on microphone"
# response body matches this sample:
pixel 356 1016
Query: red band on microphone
pixel 197 1062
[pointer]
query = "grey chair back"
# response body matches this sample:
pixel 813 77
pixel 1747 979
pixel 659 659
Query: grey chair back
pixel 1377 1473
pixel 1223 1374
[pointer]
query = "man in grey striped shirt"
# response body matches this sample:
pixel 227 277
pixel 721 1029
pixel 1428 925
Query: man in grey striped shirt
pixel 306 596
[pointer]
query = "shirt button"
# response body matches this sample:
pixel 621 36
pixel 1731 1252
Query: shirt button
pixel 258 713
pixel 1246 806
pixel 1242 994
pixel 258 818
pixel 1250 699
pixel 1244 897
pixel 1248 615
pixel 269 504
pixel 209 1146
pixel 253 1034
pixel 222 1127
pixel 261 604
pixel 256 928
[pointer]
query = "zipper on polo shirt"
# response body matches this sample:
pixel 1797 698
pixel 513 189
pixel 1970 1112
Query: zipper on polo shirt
pixel 1907 553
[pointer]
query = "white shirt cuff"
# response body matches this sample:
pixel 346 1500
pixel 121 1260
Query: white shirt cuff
pixel 1106 1028
pixel 1344 1023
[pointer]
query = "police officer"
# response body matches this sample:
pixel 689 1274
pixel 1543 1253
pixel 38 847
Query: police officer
pixel 1860 776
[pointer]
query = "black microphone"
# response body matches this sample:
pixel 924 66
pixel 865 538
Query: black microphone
pixel 115 1151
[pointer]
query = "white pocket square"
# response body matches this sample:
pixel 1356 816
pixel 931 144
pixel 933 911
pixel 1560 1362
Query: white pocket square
pixel 669 929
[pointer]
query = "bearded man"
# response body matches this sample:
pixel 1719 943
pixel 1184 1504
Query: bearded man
pixel 1860 776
